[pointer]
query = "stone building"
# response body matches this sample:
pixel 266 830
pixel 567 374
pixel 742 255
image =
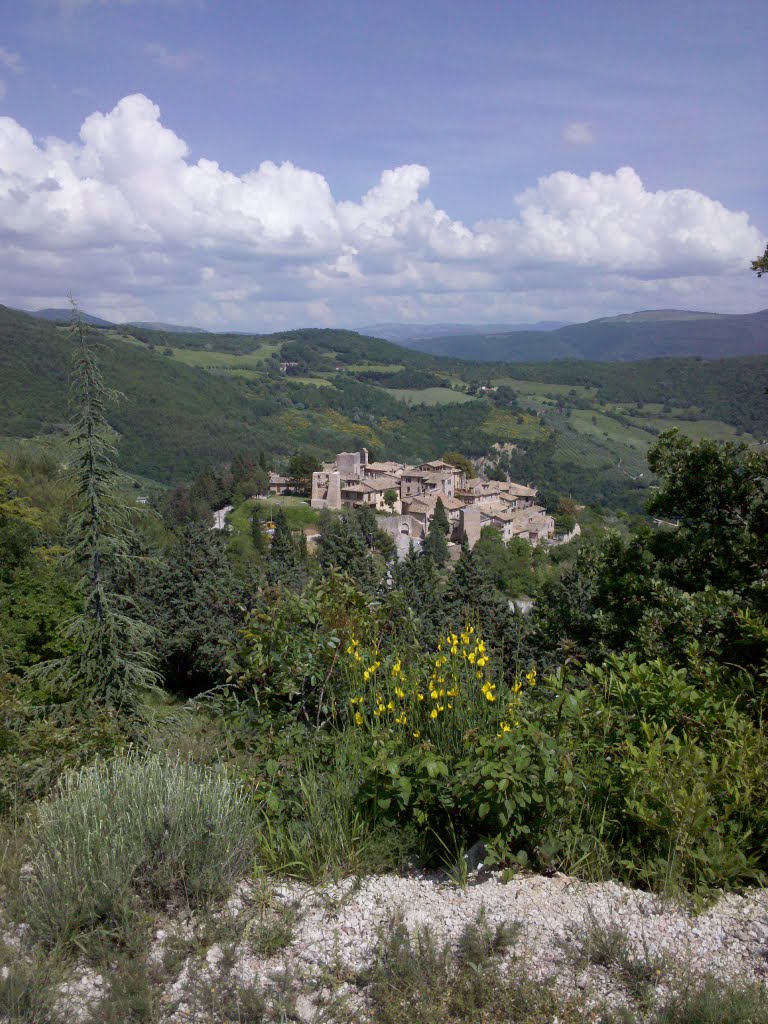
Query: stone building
pixel 410 494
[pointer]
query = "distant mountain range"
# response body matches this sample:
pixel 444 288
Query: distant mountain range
pixel 65 315
pixel 647 334
pixel 403 334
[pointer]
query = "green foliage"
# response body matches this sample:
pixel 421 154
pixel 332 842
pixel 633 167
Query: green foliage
pixel 436 544
pixel 760 265
pixel 514 567
pixel 282 563
pixel 38 742
pixel 391 496
pixel 720 495
pixel 110 661
pixel 713 1001
pixel 460 462
pixel 312 826
pixel 29 989
pixel 300 469
pixel 133 833
pixel 416 980
pixel 195 603
pixel 36 602
pixel 20 523
pixel 673 768
pixel 346 538
pixel 288 651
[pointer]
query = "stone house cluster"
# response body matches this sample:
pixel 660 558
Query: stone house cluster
pixel 409 494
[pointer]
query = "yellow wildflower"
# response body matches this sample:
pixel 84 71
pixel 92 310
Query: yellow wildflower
pixel 358 718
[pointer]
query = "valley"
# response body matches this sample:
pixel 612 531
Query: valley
pixel 582 428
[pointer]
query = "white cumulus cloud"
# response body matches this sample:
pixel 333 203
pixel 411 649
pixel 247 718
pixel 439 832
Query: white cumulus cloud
pixel 123 218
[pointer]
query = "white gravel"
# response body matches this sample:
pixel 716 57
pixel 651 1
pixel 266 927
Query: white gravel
pixel 337 928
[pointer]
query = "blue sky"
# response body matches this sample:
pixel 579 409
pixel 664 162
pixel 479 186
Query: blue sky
pixel 256 165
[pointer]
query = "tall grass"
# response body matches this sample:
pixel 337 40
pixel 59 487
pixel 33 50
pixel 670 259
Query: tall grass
pixel 320 834
pixel 137 832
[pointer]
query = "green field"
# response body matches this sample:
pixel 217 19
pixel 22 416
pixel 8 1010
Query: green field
pixel 225 360
pixel 320 382
pixel 540 389
pixel 699 430
pixel 374 367
pixel 607 428
pixel 429 396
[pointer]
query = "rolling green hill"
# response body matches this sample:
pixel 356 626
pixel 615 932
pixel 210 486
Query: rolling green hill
pixel 176 419
pixel 632 336
pixel 192 400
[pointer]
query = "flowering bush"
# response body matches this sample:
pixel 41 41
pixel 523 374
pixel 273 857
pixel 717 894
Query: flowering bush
pixel 435 697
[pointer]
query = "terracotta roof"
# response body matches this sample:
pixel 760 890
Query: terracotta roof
pixel 383 467
pixel 359 485
pixel 429 501
pixel 383 483
pixel 519 489
pixel 436 464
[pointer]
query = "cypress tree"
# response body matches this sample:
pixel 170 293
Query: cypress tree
pixel 440 518
pixel 257 534
pixel 301 548
pixel 282 561
pixel 435 543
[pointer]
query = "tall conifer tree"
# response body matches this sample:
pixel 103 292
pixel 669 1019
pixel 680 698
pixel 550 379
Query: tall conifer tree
pixel 111 659
pixel 283 559
pixel 435 543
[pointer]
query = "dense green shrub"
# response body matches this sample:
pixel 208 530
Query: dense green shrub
pixel 672 771
pixel 137 831
pixel 40 739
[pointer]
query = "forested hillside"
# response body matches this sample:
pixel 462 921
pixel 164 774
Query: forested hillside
pixel 621 338
pixel 580 428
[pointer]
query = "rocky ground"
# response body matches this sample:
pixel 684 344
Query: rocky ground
pixel 313 944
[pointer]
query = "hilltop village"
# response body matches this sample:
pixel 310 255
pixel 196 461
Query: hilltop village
pixel 407 496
